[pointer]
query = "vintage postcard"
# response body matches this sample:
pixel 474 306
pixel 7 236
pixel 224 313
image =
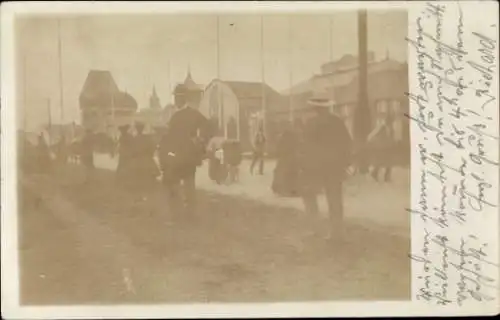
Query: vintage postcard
pixel 249 159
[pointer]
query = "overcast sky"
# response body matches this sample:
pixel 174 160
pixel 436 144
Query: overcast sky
pixel 137 50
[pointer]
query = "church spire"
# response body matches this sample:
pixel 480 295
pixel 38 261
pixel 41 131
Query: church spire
pixel 154 100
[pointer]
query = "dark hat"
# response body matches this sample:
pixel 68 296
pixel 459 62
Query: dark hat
pixel 180 90
pixel 320 100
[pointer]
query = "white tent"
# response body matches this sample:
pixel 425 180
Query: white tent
pixel 221 103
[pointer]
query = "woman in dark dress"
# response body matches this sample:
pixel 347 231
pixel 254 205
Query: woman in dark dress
pixel 285 180
pixel 145 169
pixel 125 157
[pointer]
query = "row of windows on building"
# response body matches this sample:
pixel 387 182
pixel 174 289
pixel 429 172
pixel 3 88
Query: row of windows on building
pixel 383 111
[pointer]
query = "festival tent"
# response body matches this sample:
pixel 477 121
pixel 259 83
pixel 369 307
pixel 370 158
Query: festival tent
pixel 236 108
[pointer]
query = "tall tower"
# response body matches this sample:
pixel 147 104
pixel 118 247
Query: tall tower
pixel 194 91
pixel 154 100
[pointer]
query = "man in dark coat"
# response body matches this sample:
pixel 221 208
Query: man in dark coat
pixel 325 157
pixel 182 150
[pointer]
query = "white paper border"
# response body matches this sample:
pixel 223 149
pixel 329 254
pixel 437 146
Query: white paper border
pixel 10 275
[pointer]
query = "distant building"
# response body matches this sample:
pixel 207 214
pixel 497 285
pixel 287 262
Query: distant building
pixel 236 108
pixel 194 91
pixel 154 100
pixel 387 84
pixel 154 115
pixel 103 106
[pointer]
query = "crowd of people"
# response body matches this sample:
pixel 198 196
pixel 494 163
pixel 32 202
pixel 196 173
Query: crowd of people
pixel 312 157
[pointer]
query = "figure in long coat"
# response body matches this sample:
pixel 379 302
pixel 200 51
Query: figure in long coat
pixel 184 150
pixel 381 149
pixel 88 146
pixel 145 169
pixel 325 155
pixel 125 157
pixel 285 179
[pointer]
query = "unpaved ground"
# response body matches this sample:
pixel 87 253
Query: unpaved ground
pixel 82 244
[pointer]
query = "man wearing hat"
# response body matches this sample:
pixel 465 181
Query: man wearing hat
pixel 183 150
pixel 325 157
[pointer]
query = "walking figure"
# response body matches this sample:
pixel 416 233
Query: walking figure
pixel 217 170
pixel 232 159
pixel 125 157
pixel 381 148
pixel 325 156
pixel 87 155
pixel 285 178
pixel 144 169
pixel 258 151
pixel 181 152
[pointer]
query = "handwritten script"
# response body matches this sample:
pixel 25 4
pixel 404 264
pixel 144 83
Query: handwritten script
pixel 454 116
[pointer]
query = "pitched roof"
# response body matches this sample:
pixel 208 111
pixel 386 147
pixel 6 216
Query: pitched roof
pixel 301 87
pixel 190 84
pixel 246 89
pixel 99 82
pixel 346 76
pixel 100 89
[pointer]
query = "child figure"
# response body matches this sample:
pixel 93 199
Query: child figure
pixel 232 159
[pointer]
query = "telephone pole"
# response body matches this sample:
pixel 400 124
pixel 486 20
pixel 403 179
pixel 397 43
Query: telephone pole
pixel 25 96
pixel 330 55
pixel 263 75
pixel 362 113
pixel 59 55
pixel 290 52
pixel 49 128
pixel 219 94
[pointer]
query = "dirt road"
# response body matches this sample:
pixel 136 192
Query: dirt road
pixel 95 244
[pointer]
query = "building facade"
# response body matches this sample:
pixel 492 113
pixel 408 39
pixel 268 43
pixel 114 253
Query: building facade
pixel 387 84
pixel 154 115
pixel 103 106
pixel 237 109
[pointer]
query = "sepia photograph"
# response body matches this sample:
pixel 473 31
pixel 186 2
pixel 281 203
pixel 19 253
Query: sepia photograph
pixel 170 158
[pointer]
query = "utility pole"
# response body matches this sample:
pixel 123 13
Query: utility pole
pixel 25 96
pixel 49 129
pixel 219 95
pixel 330 55
pixel 59 55
pixel 263 75
pixel 290 52
pixel 362 113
